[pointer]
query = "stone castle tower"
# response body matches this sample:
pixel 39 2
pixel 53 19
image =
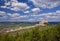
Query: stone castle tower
pixel 42 22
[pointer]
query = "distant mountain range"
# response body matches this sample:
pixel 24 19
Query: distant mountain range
pixel 27 22
pixel 54 22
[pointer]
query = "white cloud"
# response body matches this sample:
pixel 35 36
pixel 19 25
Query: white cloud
pixel 35 10
pixel 26 11
pixel 50 15
pixel 2 12
pixel 3 15
pixel 3 6
pixel 58 11
pixel 46 3
pixel 19 6
pixel 7 3
pixel 31 20
pixel 54 15
pixel 16 16
pixel 15 5
pixel 12 17
pixel 23 16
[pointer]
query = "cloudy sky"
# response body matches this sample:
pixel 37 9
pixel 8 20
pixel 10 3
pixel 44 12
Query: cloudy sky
pixel 29 10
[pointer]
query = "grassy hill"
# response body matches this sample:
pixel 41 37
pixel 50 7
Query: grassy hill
pixel 39 33
pixel 15 24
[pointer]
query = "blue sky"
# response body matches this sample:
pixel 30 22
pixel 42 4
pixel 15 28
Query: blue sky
pixel 29 10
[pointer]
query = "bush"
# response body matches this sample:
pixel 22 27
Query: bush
pixel 51 34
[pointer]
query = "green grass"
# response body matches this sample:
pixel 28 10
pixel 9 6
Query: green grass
pixel 39 33
pixel 14 25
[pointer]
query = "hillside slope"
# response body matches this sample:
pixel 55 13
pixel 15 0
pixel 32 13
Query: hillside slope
pixel 39 33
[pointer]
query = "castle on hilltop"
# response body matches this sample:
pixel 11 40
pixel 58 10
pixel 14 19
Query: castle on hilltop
pixel 42 22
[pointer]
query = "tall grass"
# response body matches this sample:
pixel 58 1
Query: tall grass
pixel 34 34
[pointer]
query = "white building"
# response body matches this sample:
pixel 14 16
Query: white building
pixel 42 22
